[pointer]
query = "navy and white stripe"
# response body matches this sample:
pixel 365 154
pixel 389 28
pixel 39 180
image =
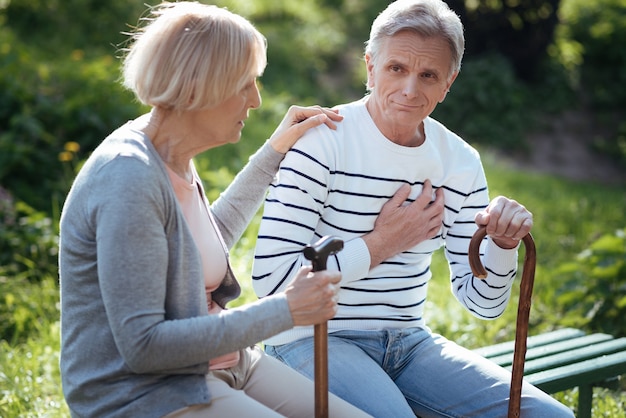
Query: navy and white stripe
pixel 336 182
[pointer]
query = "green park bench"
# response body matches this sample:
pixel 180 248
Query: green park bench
pixel 565 359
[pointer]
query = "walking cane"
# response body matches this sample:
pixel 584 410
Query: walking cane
pixel 318 255
pixel 523 311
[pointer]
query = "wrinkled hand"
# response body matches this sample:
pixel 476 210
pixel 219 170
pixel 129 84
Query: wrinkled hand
pixel 297 121
pixel 506 221
pixel 312 296
pixel 400 226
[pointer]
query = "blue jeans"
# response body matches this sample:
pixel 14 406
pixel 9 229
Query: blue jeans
pixel 406 372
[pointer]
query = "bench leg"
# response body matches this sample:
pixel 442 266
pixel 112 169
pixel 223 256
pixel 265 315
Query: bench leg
pixel 585 396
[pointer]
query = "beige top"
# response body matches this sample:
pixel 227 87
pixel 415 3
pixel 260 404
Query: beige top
pixel 205 235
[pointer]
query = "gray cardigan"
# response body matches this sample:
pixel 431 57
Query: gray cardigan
pixel 136 336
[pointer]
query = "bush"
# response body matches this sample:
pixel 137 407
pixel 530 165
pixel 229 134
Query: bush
pixel 594 286
pixel 28 269
pixel 590 40
pixel 63 26
pixel 589 43
pixel 53 113
pixel 28 241
pixel 486 103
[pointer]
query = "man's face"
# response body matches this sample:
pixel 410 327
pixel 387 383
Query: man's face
pixel 408 78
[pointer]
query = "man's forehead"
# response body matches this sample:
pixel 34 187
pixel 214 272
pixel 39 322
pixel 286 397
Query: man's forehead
pixel 403 47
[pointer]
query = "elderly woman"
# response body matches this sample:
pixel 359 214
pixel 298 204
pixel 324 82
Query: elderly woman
pixel 144 267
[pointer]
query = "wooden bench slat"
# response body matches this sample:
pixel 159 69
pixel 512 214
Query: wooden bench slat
pixel 585 372
pixel 570 357
pixel 565 359
pixel 533 341
pixel 553 348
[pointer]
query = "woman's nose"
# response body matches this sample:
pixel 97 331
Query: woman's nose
pixel 255 99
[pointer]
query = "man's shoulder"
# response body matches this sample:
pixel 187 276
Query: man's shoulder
pixel 323 137
pixel 447 138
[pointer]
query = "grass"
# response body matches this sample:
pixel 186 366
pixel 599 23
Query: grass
pixel 30 381
pixel 568 217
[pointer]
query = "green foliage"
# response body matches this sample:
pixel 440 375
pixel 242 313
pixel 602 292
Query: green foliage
pixel 28 242
pixel 28 260
pixel 485 103
pixel 589 44
pixel 26 308
pixel 591 40
pixel 489 105
pixel 521 30
pixel 53 113
pixel 315 48
pixel 63 26
pixel 29 375
pixel 593 286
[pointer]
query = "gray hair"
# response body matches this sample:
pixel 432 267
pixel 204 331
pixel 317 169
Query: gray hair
pixel 192 56
pixel 428 18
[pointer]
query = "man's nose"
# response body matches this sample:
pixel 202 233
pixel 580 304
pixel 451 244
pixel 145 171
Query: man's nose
pixel 411 87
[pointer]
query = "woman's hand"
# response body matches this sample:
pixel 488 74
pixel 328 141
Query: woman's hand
pixel 506 221
pixel 312 296
pixel 297 121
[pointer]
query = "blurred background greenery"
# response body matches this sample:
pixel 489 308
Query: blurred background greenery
pixel 527 62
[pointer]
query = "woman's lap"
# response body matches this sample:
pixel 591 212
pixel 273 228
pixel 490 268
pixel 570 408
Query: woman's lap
pixel 261 386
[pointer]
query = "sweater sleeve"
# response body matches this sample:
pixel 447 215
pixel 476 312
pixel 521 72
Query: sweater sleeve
pixel 237 205
pixel 484 298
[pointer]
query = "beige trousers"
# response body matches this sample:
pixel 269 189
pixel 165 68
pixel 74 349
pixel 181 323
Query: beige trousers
pixel 261 386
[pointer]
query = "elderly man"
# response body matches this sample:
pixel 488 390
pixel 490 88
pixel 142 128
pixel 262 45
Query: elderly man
pixel 396 185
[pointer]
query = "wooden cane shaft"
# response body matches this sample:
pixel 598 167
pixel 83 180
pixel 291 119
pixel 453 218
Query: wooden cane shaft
pixel 523 311
pixel 321 370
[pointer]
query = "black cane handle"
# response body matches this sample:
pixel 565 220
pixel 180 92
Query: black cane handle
pixel 319 252
pixel 318 255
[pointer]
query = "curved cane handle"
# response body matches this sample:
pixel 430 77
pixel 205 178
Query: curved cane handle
pixel 523 310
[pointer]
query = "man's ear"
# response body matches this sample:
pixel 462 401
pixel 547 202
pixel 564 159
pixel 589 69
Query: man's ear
pixel 369 65
pixel 449 84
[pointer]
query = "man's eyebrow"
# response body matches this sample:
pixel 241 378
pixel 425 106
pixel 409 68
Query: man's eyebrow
pixel 432 71
pixel 396 60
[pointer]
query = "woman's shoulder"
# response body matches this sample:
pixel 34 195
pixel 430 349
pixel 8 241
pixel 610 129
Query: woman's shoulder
pixel 322 137
pixel 125 142
pixel 126 158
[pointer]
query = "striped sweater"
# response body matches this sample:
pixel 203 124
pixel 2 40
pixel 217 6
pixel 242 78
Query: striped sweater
pixel 336 182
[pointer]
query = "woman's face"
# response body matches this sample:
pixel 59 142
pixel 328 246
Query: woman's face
pixel 222 124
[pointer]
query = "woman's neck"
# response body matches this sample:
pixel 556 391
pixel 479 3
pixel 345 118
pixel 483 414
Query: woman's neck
pixel 170 141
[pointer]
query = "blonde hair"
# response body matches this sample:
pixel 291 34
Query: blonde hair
pixel 191 56
pixel 428 18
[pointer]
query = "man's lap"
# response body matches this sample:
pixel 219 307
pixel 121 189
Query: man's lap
pixel 396 372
